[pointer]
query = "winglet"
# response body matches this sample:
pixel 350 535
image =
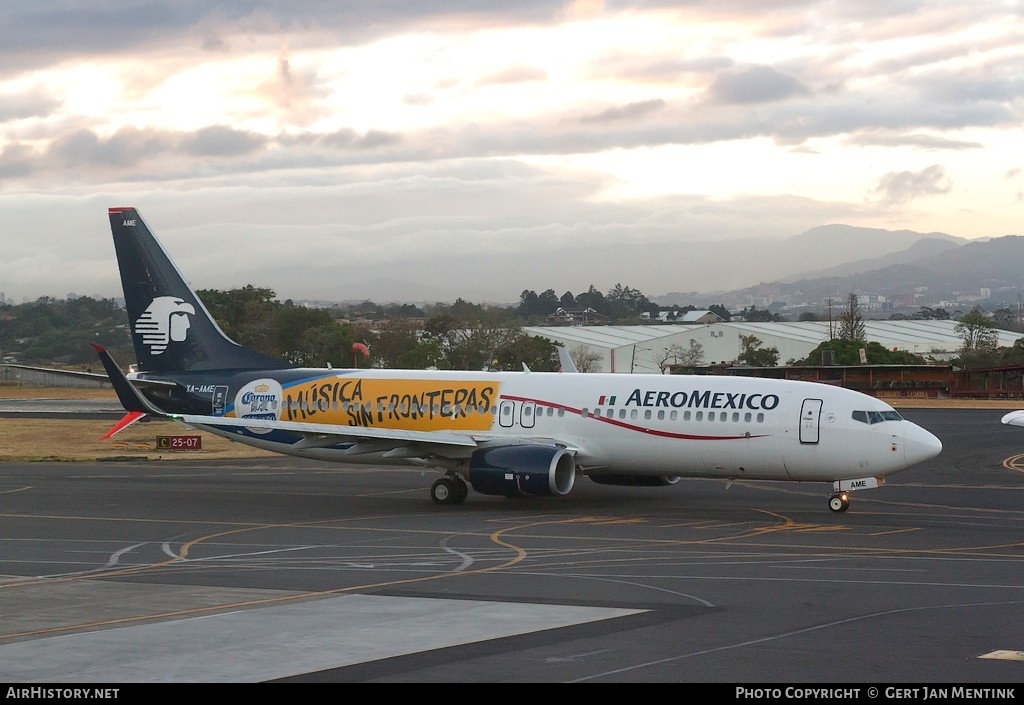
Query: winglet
pixel 565 359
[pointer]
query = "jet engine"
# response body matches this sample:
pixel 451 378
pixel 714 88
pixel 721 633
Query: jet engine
pixel 522 470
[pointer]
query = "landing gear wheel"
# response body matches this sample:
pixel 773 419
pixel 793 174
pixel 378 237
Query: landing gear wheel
pixel 444 491
pixel 838 502
pixel 449 490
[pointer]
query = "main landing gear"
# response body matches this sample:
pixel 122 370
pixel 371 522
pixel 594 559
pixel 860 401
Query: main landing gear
pixel 838 501
pixel 449 490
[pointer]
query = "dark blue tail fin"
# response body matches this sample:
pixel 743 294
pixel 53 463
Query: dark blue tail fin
pixel 171 329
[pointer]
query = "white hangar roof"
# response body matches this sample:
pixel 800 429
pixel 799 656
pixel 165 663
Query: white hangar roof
pixel 642 348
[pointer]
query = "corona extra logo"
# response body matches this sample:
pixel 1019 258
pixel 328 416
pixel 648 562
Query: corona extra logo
pixel 164 320
pixel 259 399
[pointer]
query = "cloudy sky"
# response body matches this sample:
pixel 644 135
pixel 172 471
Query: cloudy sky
pixel 421 149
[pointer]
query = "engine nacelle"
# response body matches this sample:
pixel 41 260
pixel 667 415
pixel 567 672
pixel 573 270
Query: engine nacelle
pixel 522 470
pixel 636 480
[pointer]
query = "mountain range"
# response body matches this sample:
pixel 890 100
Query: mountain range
pixel 916 269
pixel 826 262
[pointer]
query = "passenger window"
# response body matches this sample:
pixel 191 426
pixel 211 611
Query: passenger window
pixel 735 416
pixel 672 415
pixel 711 415
pixel 699 416
pixel 647 414
pixel 661 414
pixel 747 417
pixel 760 417
pixel 686 415
pixel 633 414
pixel 622 413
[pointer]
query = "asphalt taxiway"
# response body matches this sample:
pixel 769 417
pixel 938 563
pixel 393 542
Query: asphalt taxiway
pixel 291 571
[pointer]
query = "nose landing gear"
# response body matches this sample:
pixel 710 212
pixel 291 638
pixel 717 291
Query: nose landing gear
pixel 838 501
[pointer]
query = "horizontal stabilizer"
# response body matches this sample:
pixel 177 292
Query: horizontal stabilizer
pixel 128 419
pixel 134 403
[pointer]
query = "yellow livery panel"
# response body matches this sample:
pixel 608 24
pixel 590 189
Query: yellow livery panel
pixel 410 404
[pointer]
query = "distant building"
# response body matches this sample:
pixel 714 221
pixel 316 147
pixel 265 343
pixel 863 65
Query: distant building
pixel 574 317
pixel 693 317
pixel 647 348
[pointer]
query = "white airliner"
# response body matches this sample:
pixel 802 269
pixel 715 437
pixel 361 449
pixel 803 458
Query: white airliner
pixel 502 433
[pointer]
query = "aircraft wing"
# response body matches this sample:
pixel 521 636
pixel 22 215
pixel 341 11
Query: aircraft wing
pixel 80 374
pixel 329 434
pixel 394 443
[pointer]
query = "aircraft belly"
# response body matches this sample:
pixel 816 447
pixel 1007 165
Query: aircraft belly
pixel 732 458
pixel 744 459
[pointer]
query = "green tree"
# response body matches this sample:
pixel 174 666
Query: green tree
pixel 754 315
pixel 926 314
pixel 752 354
pixel 324 345
pixel 592 298
pixel 392 344
pixel 979 337
pixel 847 352
pixel 516 349
pixel 851 323
pixel 721 311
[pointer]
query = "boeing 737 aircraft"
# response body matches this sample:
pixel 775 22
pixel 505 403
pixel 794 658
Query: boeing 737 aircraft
pixel 502 433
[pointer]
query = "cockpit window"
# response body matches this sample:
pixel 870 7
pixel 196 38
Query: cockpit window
pixel 872 417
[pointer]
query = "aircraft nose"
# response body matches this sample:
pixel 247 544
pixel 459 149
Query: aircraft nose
pixel 919 445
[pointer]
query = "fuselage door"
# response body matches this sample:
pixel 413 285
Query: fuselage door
pixel 507 413
pixel 220 399
pixel 810 420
